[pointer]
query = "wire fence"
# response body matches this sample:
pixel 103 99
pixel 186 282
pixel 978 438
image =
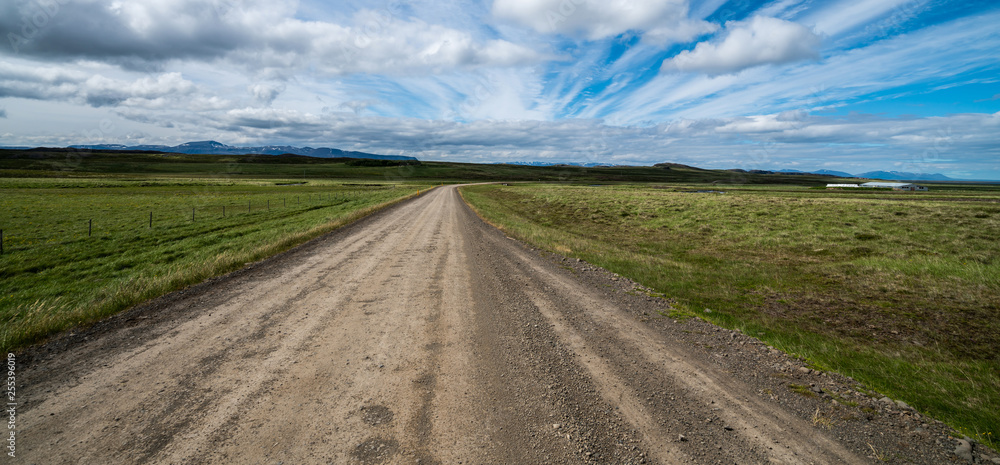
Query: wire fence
pixel 52 232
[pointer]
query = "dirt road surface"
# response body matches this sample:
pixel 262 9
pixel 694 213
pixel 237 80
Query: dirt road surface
pixel 423 335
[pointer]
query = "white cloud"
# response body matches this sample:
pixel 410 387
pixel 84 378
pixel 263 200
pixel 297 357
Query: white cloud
pixel 266 37
pixel 663 20
pixel 269 118
pixel 757 142
pixel 499 95
pixel 357 106
pixel 957 143
pixel 784 121
pixel 746 44
pixel 66 84
pixel 843 77
pixel 402 47
pixel 265 93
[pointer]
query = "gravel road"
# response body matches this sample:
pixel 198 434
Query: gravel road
pixel 423 335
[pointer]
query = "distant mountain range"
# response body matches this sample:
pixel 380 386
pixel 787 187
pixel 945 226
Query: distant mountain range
pixel 212 147
pixel 839 174
pixel 901 176
pixel 887 175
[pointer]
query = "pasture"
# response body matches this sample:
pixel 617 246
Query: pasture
pixel 898 290
pixel 79 249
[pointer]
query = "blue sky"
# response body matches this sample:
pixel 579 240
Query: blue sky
pixel 907 85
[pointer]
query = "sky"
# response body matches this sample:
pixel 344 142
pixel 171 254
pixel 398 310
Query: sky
pixel 848 85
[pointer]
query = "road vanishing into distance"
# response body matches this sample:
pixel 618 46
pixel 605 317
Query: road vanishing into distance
pixel 423 335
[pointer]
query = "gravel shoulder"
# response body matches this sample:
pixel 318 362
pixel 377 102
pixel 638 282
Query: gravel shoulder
pixel 423 335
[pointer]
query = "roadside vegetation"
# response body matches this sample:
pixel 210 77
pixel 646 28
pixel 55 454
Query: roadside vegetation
pixel 899 290
pixel 76 250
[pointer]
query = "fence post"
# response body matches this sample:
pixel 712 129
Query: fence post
pixel 268 204
pixel 90 228
pixel 223 211
pixel 192 214
pixel 150 219
pixel 1 241
pixel 248 206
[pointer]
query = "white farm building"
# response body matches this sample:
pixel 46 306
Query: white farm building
pixel 896 186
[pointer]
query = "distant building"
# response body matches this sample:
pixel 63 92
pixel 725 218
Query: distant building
pixel 896 186
pixel 842 186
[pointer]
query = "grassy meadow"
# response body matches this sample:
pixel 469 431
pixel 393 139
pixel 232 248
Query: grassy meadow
pixel 898 290
pixel 57 272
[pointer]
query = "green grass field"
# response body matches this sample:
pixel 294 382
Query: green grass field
pixel 900 291
pixel 56 275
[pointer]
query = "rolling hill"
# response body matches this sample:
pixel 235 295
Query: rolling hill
pixel 212 147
